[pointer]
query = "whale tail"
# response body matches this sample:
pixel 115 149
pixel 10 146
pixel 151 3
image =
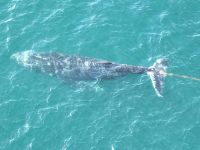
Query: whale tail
pixel 157 73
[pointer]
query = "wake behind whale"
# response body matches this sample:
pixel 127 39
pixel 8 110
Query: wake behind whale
pixel 84 68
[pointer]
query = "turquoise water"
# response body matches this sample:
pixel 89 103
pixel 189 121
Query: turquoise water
pixel 42 112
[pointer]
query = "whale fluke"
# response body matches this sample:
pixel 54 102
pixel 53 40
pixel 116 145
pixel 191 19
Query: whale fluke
pixel 157 75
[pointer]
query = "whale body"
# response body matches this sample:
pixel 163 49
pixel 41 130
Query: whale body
pixel 84 68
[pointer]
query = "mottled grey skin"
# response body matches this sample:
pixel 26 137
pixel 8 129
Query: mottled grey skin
pixel 74 67
pixel 83 68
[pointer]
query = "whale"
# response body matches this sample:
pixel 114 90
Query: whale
pixel 70 67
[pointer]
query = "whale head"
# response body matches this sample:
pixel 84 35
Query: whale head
pixel 23 58
pixel 29 59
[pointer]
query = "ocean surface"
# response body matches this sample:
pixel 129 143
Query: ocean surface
pixel 41 112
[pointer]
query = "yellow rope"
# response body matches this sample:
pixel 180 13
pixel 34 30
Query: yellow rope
pixel 181 76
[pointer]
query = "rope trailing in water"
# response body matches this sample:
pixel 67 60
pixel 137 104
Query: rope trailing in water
pixel 181 76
